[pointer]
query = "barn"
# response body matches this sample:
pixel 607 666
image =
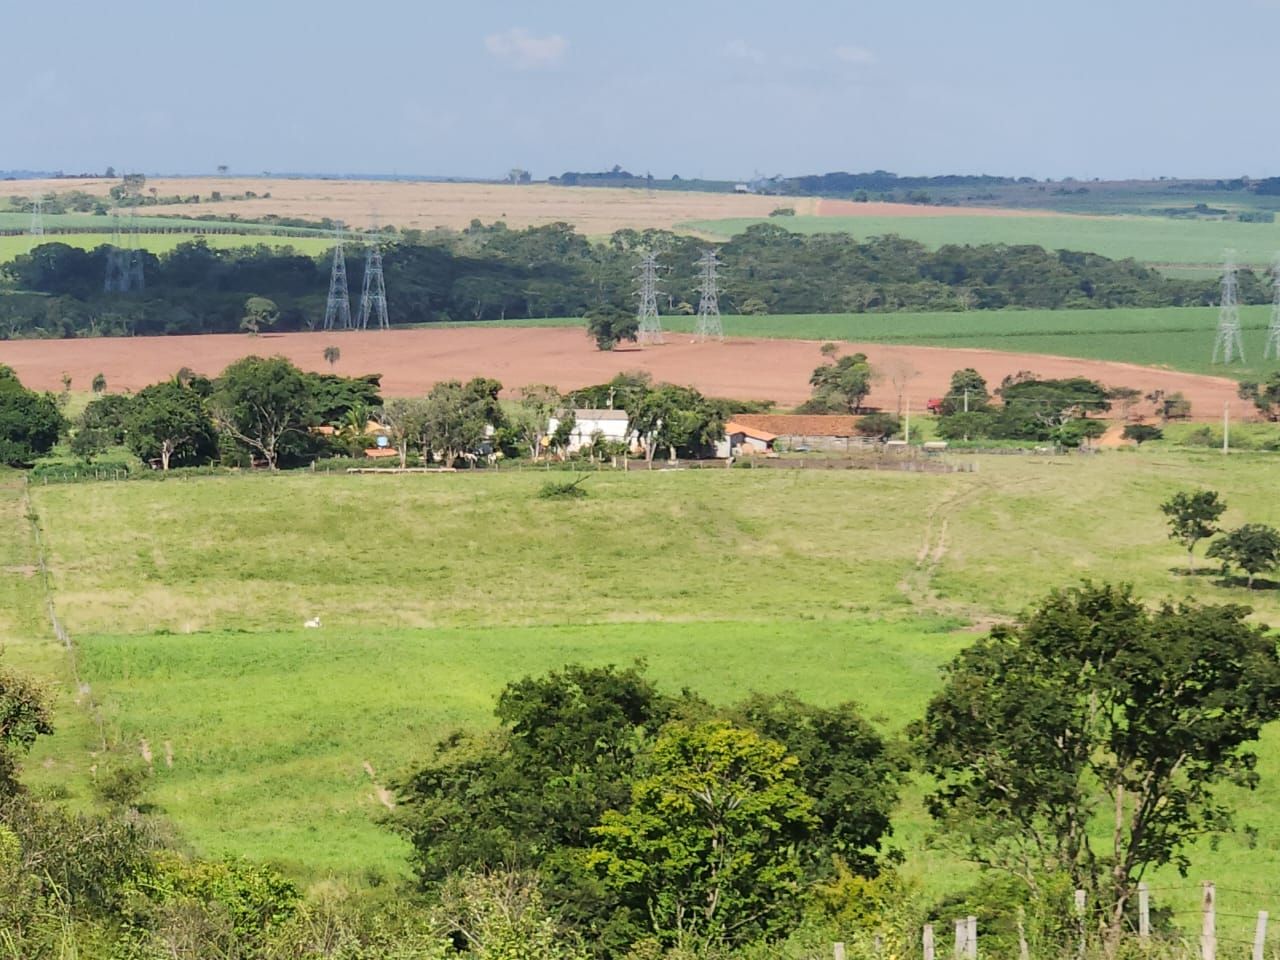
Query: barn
pixel 801 432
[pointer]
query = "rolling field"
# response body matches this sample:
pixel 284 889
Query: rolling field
pixel 1155 240
pixel 186 599
pixel 11 247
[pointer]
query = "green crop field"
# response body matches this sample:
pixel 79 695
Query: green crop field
pixel 11 247
pixel 186 599
pixel 1154 240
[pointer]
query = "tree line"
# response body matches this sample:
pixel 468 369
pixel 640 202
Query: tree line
pixel 603 817
pixel 495 273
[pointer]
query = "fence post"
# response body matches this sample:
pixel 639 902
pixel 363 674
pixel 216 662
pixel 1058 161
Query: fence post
pixel 1080 903
pixel 927 940
pixel 1208 925
pixel 962 928
pixel 837 950
pixel 1144 911
pixel 1024 953
pixel 1260 935
pixel 971 938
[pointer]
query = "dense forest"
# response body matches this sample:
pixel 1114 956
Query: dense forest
pixel 494 273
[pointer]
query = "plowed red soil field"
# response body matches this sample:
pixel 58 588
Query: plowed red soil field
pixel 410 361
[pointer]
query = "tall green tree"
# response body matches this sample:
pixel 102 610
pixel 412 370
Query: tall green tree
pixel 708 847
pixel 1254 548
pixel 259 314
pixel 261 402
pixel 608 326
pixel 24 716
pixel 842 384
pixel 168 422
pixel 967 393
pixel 30 422
pixel 677 418
pixel 1090 739
pixel 1193 516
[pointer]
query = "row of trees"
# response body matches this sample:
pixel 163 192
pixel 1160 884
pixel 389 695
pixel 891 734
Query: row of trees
pixel 257 409
pixel 492 272
pixel 1030 408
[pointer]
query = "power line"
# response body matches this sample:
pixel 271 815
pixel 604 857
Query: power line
pixel 1227 346
pixel 37 223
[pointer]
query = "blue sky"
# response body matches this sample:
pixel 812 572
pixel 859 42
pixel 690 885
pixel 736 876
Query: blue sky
pixel 1122 88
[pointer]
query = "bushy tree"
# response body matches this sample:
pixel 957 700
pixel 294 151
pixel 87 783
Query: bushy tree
pixel 1193 516
pixel 677 418
pixel 24 716
pixel 967 392
pixel 168 422
pixel 1265 395
pixel 261 402
pixel 1140 433
pixel 30 422
pixel 1090 738
pixel 842 384
pixel 708 848
pixel 1254 548
pixel 608 326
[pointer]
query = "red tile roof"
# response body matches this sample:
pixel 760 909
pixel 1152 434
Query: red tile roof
pixel 798 425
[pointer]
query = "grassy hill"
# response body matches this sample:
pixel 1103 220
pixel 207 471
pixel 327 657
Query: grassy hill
pixel 1194 246
pixel 186 599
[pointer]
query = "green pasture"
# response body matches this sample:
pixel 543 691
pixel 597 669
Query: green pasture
pixel 14 246
pixel 97 223
pixel 187 598
pixel 1154 240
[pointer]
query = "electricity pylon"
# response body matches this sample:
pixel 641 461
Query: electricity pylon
pixel 1272 351
pixel 709 326
pixel 1227 345
pixel 650 330
pixel 337 310
pixel 373 295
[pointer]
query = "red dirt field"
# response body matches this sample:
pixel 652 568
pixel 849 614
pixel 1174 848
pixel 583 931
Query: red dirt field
pixel 410 361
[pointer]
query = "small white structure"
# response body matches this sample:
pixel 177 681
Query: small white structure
pixel 741 439
pixel 312 624
pixel 611 424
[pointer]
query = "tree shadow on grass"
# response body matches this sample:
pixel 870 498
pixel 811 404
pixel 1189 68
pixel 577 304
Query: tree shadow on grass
pixel 1182 571
pixel 1260 584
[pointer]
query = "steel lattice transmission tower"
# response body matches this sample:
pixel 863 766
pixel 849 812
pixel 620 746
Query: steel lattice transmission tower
pixel 1227 346
pixel 650 326
pixel 337 310
pixel 133 262
pixel 117 280
pixel 37 222
pixel 1272 351
pixel 373 296
pixel 709 326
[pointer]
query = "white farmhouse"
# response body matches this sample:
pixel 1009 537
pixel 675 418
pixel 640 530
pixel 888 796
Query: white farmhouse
pixel 611 424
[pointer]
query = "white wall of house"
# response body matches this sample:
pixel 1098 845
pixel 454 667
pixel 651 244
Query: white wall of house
pixel 612 424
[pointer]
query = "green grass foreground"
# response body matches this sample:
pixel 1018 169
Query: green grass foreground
pixel 1153 240
pixel 187 599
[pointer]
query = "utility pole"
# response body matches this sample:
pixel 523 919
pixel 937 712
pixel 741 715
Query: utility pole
pixel 1272 349
pixel 337 311
pixel 1227 345
pixel 1226 428
pixel 650 326
pixel 709 326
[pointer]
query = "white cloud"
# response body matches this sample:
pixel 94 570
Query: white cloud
pixel 741 50
pixel 520 49
pixel 853 54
